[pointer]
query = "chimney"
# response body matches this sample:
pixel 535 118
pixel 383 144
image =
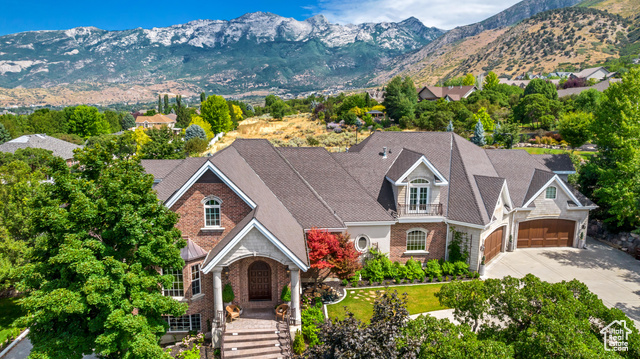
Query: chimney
pixel 384 152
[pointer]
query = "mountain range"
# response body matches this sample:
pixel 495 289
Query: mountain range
pixel 254 54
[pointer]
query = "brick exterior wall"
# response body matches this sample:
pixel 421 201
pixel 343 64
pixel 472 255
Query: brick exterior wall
pixel 436 241
pixel 203 303
pixel 239 279
pixel 232 210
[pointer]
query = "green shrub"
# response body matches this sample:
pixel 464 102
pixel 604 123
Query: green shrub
pixel 345 282
pixel 439 278
pixel 227 293
pixel 446 278
pixel 400 270
pixel 448 268
pixel 298 343
pixel 461 268
pixel 433 268
pixel 431 279
pixel 285 295
pixel 196 146
pixel 414 270
pixel 373 271
pixel 312 317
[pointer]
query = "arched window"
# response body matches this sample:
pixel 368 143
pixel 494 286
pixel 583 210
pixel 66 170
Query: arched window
pixel 551 192
pixel 416 240
pixel 418 195
pixel 362 243
pixel 212 212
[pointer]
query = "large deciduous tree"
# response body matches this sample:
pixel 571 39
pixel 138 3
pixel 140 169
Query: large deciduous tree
pixel 542 87
pixel 87 121
pixel 491 82
pixel 128 122
pixel 216 111
pixel 574 128
pixel 400 98
pixel 93 283
pixel 612 176
pixel 163 144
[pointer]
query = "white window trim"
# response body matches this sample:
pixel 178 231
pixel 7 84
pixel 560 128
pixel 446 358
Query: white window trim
pixel 420 187
pixel 174 297
pixel 555 194
pixel 199 280
pixel 355 243
pixel 419 251
pixel 190 324
pixel 204 212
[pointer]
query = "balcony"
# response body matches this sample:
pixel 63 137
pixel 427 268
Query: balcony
pixel 419 210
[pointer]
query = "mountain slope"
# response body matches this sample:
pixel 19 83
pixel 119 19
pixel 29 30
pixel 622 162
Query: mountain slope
pixel 255 51
pixel 423 60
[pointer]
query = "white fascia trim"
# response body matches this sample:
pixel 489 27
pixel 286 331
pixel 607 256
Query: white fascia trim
pixel 421 219
pixel 583 208
pixel 423 159
pixel 557 179
pixel 208 166
pixel 376 223
pixel 326 229
pixel 564 172
pixel 464 224
pixel 254 224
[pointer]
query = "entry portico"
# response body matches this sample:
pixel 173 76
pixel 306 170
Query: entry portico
pixel 258 266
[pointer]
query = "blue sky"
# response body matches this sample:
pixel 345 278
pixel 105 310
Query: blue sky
pixel 26 15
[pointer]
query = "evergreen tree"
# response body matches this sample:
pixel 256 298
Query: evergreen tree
pixel 478 135
pixel 367 99
pixel 203 97
pixel 93 283
pixel 4 134
pixel 400 98
pixel 194 131
pixel 159 104
pixel 166 104
pixel 183 117
pixel 450 126
pixel 178 101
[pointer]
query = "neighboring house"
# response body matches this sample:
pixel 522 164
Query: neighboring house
pixel 595 73
pixel 600 86
pixel 245 210
pixel 59 148
pixel 523 83
pixel 156 121
pixel 376 114
pixel 451 93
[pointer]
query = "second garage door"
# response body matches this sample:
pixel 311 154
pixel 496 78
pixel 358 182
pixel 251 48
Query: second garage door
pixel 493 244
pixel 546 233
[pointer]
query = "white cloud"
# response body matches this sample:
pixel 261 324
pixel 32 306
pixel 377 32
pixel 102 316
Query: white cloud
pixel 444 14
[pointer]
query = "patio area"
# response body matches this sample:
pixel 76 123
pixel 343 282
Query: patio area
pixel 254 319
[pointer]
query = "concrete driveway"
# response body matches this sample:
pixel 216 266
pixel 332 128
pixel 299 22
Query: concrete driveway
pixel 611 274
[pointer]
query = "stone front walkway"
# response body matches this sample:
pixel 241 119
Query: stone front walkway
pixel 258 319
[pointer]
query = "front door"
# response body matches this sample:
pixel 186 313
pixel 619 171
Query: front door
pixel 259 281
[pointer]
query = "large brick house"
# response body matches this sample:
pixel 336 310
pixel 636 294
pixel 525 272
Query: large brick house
pixel 245 210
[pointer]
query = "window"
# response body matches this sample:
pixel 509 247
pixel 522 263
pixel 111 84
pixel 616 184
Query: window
pixel 184 324
pixel 362 243
pixel 195 279
pixel 551 192
pixel 177 288
pixel 418 194
pixel 212 213
pixel 416 240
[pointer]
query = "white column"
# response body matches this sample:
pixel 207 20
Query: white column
pixel 295 292
pixel 217 289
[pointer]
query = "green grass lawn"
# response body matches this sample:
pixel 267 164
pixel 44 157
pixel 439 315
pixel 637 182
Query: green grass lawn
pixel 420 298
pixel 541 151
pixel 9 312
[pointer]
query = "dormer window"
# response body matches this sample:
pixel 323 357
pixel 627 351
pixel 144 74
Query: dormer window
pixel 418 194
pixel 212 212
pixel 551 192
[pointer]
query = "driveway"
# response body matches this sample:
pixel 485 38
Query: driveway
pixel 611 274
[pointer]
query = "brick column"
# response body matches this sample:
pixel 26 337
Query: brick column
pixel 295 293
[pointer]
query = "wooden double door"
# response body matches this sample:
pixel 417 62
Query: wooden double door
pixel 259 281
pixel 546 233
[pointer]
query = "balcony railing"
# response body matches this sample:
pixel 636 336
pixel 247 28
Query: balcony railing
pixel 420 210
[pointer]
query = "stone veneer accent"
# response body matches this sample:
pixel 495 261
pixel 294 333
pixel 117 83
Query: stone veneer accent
pixel 436 241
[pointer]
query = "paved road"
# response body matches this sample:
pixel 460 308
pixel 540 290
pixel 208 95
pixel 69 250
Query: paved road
pixel 611 274
pixel 22 350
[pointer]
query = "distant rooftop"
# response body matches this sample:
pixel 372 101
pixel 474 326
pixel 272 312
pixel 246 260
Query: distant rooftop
pixel 59 147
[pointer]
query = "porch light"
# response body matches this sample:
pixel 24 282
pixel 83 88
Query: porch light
pixel 225 270
pixel 288 271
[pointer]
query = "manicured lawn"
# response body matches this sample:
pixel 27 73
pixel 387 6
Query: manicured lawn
pixel 541 151
pixel 420 298
pixel 9 312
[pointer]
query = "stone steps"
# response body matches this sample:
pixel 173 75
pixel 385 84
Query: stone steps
pixel 267 344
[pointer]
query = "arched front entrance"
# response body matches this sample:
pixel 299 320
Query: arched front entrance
pixel 259 281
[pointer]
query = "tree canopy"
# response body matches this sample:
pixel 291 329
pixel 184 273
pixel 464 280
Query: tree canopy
pixel 215 111
pixel 400 97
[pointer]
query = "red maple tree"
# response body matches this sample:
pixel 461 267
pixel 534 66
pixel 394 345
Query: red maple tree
pixel 335 252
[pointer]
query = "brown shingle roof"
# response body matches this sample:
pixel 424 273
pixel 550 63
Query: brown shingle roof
pixel 334 184
pixel 490 189
pixel 157 118
pixel 455 92
pixel 557 162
